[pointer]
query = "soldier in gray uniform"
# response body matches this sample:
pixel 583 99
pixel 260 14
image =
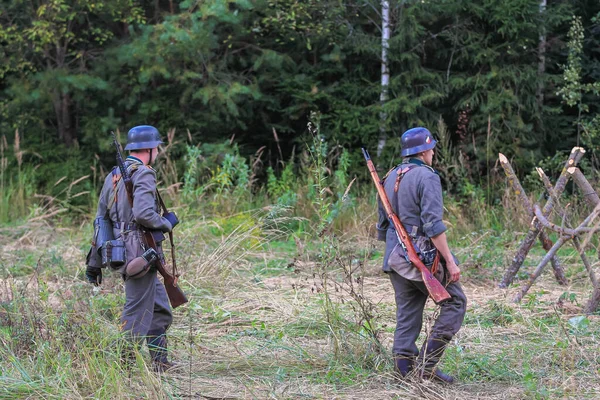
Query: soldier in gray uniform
pixel 415 192
pixel 147 313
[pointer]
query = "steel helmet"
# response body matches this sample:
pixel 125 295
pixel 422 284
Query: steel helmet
pixel 143 137
pixel 417 140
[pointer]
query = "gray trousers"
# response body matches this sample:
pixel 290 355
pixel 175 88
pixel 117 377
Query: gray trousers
pixel 410 303
pixel 147 312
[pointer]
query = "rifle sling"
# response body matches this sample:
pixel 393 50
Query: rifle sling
pixel 171 241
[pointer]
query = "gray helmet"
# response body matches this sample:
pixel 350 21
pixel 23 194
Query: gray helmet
pixel 143 137
pixel 416 140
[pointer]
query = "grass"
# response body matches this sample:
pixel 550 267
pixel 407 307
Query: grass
pixel 273 315
pixel 287 300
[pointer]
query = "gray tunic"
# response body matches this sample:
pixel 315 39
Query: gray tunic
pixel 419 205
pixel 145 210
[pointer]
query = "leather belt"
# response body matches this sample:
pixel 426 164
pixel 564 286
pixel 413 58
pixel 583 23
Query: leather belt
pixel 414 231
pixel 132 226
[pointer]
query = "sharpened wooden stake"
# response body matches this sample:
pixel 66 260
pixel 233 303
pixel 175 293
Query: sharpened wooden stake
pixel 534 229
pixel 540 222
pixel 566 234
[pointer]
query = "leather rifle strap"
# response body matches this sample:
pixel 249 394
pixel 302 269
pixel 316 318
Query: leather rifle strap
pixel 165 210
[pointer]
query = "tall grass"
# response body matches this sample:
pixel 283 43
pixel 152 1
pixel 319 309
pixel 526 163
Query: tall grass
pixel 16 180
pixel 20 199
pixel 273 314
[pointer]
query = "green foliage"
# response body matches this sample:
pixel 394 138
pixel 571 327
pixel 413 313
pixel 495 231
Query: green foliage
pixel 449 162
pixel 282 191
pixel 73 70
pixel 190 177
pixel 574 89
pixel 217 171
pixel 240 223
pixel 51 46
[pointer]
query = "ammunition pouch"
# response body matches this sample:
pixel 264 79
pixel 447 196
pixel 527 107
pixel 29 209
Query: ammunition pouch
pixel 139 266
pixel 158 236
pixel 113 254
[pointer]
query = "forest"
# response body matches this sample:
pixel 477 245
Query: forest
pixel 263 107
pixel 498 76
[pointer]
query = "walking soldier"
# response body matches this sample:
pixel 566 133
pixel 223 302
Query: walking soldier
pixel 119 243
pixel 415 192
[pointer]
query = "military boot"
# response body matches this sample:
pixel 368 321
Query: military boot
pixel 430 355
pixel 157 347
pixel 403 365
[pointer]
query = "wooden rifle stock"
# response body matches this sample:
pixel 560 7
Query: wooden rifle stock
pixel 176 295
pixel 437 292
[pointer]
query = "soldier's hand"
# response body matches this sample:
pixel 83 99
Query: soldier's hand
pixel 453 271
pixel 94 275
pixel 172 218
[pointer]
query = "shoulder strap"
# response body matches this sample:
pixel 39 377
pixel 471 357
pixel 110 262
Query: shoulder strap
pixel 389 172
pixel 403 169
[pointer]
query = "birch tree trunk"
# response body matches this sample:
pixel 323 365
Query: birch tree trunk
pixel 541 58
pixel 385 73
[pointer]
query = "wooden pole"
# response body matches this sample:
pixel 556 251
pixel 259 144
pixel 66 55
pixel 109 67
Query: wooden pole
pixel 562 240
pixel 539 268
pixel 589 194
pixel 592 305
pixel 576 243
pixel 566 234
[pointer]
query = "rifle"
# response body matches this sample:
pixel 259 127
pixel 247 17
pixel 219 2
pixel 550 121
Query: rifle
pixel 174 292
pixel 437 292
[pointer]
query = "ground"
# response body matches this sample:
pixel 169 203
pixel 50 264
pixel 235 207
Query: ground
pixel 285 318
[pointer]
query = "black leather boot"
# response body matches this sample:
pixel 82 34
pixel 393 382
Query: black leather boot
pixel 403 365
pixel 431 352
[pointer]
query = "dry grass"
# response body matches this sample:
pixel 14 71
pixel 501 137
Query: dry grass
pixel 251 334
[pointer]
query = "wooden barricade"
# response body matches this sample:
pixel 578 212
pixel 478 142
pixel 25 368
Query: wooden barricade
pixel 540 223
